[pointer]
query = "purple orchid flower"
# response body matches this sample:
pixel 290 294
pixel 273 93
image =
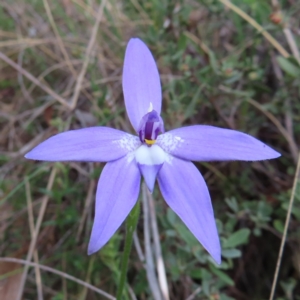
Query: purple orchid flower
pixel 152 154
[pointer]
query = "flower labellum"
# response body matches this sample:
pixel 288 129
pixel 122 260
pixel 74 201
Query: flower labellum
pixel 152 154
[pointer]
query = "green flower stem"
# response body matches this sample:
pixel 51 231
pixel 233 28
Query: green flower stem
pixel 131 223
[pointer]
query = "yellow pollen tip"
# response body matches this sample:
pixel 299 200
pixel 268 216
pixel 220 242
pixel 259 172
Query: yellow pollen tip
pixel 150 142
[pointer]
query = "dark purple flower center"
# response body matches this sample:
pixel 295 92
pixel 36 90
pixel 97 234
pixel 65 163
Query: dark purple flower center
pixel 150 127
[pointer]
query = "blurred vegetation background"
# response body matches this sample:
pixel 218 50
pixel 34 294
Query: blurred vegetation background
pixel 216 68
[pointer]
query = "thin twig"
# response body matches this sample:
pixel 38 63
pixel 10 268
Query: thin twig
pixel 281 129
pixel 260 29
pixel 140 9
pixel 61 44
pixel 83 294
pixel 34 80
pixel 287 31
pixel 285 133
pixel 64 281
pixel 150 271
pixel 59 40
pixel 131 292
pixel 291 41
pixel 54 271
pixel 196 40
pixel 161 270
pixel 87 205
pixel 54 67
pixel 20 78
pixel 275 4
pixel 38 277
pixel 194 294
pixel 37 112
pixel 20 62
pixel 277 70
pixel 138 247
pixel 36 232
pixel 87 55
pixel 286 226
pixel 24 42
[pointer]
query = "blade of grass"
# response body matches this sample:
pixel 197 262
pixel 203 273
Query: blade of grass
pixel 150 271
pixel 61 44
pixel 291 41
pixel 286 226
pixel 87 205
pixel 87 55
pixel 31 226
pixel 281 129
pixel 160 265
pixel 59 40
pixel 287 32
pixel 260 29
pixel 24 42
pixel 83 294
pixel 64 282
pixel 131 223
pixel 288 137
pixel 36 232
pixel 194 294
pixel 34 80
pixel 138 247
pixel 26 95
pixel 44 168
pixel 60 273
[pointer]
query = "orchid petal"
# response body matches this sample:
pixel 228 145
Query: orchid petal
pixel 150 160
pixel 117 193
pixel 141 82
pixel 208 143
pixel 153 155
pixel 98 144
pixel 185 191
pixel 149 174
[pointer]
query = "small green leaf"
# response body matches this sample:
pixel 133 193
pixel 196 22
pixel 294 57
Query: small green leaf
pixel 186 235
pixel 232 203
pixel 278 225
pixel 171 216
pixel 225 297
pixel 231 253
pixel 213 62
pixel 196 273
pixel 238 238
pixel 223 276
pixel 289 66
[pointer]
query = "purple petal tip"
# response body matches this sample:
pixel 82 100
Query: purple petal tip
pixel 266 153
pixel 275 154
pixel 91 250
pixel 137 41
pixel 218 260
pixel 29 155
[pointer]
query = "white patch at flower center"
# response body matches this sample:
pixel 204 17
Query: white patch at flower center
pixel 169 142
pixel 153 155
pixel 128 142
